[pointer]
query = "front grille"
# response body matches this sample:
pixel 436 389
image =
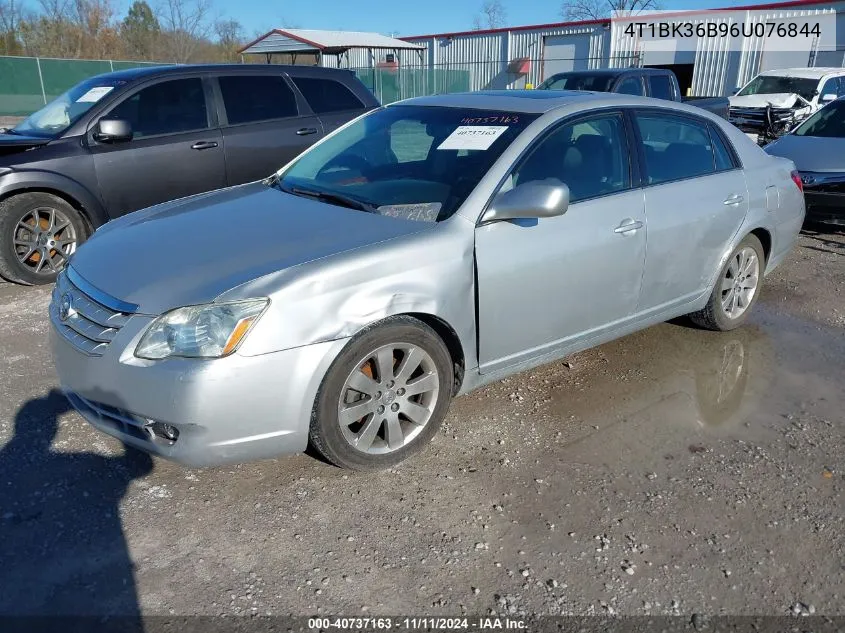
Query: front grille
pixel 87 324
pixel 754 119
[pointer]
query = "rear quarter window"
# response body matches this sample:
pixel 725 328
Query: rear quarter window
pixel 327 95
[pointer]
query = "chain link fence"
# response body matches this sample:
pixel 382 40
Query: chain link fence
pixel 28 83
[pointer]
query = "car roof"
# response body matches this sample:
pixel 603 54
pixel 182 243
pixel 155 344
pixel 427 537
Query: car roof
pixel 806 73
pixel 524 101
pixel 132 74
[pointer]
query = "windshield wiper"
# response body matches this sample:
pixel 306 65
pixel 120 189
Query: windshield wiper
pixel 332 198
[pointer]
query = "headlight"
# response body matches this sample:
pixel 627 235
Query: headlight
pixel 206 331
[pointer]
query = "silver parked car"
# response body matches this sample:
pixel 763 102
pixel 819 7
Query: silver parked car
pixel 421 251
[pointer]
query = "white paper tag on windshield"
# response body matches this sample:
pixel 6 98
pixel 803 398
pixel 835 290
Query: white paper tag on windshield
pixel 95 94
pixel 473 137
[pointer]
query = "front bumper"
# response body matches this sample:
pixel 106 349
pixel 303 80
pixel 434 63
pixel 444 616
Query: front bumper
pixel 824 194
pixel 232 409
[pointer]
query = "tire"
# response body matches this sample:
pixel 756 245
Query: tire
pixel 371 442
pixel 715 316
pixel 25 253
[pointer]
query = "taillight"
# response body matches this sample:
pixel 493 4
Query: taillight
pixel 796 178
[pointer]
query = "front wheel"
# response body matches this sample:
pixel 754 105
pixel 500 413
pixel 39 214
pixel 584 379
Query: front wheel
pixel 737 288
pixel 384 397
pixel 38 233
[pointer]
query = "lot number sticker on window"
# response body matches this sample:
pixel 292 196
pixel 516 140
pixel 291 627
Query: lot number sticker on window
pixel 473 137
pixel 95 94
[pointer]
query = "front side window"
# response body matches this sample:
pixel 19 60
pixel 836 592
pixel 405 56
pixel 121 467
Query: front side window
pixel 828 122
pixel 251 98
pixel 412 162
pixel 772 84
pixel 675 148
pixel 631 86
pixel 167 107
pixel 589 156
pixel 661 87
pixel 833 86
pixel 327 95
pixel 65 110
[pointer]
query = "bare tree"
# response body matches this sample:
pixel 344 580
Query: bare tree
pixel 186 23
pixel 491 16
pixel 11 18
pixel 230 36
pixel 599 9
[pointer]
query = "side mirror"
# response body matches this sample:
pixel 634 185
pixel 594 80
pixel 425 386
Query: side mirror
pixel 827 98
pixel 113 131
pixel 734 91
pixel 539 199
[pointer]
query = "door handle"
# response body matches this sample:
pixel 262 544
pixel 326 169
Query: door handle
pixel 204 145
pixel 734 199
pixel 628 226
pixel 305 131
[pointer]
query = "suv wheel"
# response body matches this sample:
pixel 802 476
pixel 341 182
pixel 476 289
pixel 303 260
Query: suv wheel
pixel 38 232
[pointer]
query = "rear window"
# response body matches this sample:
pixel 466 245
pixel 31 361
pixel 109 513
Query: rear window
pixel 250 98
pixel 661 87
pixel 327 95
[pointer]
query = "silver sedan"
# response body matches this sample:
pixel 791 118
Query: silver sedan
pixel 417 253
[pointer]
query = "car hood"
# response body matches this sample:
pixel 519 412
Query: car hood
pixel 191 250
pixel 811 153
pixel 778 100
pixel 13 143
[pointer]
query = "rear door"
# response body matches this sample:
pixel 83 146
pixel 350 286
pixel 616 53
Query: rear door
pixel 696 199
pixel 176 149
pixel 329 99
pixel 264 124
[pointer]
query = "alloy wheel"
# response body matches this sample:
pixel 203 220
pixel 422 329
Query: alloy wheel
pixel 44 238
pixel 388 398
pixel 739 284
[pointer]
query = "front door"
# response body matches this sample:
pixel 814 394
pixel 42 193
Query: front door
pixel 545 284
pixel 174 152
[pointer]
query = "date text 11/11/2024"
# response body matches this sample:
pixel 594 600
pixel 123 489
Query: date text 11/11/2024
pixel 421 623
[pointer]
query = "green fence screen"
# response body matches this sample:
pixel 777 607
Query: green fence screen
pixel 27 83
pixel 389 85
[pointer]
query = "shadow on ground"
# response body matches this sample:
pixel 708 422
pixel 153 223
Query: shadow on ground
pixel 63 550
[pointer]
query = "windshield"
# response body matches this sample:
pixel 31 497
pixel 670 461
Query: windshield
pixel 65 110
pixel 828 122
pixel 770 84
pixel 578 81
pixel 412 162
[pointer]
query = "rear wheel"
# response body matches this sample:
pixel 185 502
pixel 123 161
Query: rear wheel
pixel 384 397
pixel 38 233
pixel 737 288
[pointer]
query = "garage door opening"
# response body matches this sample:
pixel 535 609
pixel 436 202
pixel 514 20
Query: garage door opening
pixel 682 71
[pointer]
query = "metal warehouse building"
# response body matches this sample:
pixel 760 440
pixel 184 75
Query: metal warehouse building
pixel 526 55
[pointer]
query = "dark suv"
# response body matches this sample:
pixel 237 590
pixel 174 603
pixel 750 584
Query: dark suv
pixel 127 140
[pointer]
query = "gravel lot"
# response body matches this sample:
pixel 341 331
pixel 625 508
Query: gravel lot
pixel 673 471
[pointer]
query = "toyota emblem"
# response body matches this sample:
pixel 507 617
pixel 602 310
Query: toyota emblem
pixel 65 307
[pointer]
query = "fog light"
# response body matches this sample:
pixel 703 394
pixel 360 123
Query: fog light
pixel 164 431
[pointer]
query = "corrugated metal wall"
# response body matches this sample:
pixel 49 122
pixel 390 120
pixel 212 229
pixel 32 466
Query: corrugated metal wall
pixel 491 58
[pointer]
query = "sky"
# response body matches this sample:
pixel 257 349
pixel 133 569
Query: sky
pixel 404 17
